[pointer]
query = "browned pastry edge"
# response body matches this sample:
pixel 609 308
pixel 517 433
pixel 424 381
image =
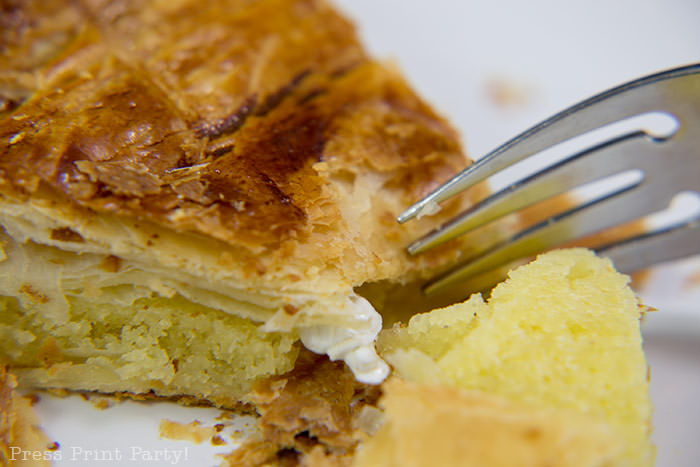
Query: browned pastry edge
pixel 307 416
pixel 237 407
pixel 21 437
pixel 136 134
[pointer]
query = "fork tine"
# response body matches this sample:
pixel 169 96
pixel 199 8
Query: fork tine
pixel 586 166
pixel 668 244
pixel 621 102
pixel 581 221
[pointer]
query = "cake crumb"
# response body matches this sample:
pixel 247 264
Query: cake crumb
pixel 224 416
pixel 692 281
pixel 193 431
pixel 508 93
pixel 102 403
pixel 33 398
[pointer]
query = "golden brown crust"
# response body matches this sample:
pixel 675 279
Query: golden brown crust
pixel 32 33
pixel 210 118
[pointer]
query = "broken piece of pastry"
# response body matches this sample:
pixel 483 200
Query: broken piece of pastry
pixel 549 371
pixel 190 192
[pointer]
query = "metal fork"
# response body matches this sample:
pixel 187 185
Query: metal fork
pixel 669 164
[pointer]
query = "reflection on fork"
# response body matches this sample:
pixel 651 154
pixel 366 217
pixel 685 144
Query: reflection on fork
pixel 659 166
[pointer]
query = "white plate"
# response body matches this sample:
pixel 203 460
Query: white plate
pixel 493 68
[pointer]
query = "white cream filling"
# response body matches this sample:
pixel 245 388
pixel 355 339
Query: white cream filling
pixel 353 344
pixel 429 209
